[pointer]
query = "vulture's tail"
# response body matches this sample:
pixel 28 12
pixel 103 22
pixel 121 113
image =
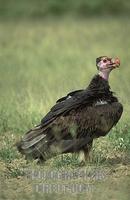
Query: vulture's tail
pixel 35 144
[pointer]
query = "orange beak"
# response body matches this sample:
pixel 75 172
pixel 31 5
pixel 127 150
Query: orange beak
pixel 117 62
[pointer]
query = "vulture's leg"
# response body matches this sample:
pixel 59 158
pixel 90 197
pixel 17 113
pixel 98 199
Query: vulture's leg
pixel 84 155
pixel 81 157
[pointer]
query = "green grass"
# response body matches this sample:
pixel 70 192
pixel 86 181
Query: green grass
pixel 16 9
pixel 41 61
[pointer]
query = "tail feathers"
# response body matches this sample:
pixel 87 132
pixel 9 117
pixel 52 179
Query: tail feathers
pixel 34 143
pixel 33 133
pixel 29 143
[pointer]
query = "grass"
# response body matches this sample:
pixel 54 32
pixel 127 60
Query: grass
pixel 56 8
pixel 41 61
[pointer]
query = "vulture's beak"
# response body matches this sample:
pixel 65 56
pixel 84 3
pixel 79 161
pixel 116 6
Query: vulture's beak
pixel 115 62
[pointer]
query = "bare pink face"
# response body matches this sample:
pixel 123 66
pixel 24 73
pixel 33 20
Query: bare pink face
pixel 105 63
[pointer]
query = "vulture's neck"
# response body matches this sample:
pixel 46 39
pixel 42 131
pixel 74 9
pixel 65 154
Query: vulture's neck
pixel 98 84
pixel 99 89
pixel 104 74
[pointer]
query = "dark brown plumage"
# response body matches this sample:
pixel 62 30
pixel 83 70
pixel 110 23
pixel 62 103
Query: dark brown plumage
pixel 74 121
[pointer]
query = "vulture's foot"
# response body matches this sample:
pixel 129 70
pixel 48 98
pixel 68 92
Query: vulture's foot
pixel 84 157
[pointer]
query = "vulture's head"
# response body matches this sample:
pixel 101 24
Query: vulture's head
pixel 105 65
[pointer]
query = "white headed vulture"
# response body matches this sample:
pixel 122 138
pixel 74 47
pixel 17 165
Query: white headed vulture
pixel 76 119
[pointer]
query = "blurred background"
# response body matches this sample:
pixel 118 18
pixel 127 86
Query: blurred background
pixel 43 8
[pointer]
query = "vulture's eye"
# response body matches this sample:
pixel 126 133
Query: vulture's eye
pixel 105 60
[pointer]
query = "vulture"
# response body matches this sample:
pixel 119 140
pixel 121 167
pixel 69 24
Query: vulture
pixel 76 119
